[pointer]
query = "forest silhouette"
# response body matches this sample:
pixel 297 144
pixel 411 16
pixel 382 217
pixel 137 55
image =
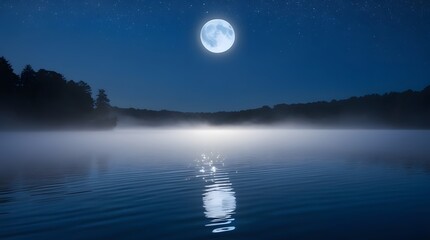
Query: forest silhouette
pixel 46 99
pixel 408 109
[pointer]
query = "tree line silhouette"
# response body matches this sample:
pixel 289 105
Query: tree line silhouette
pixel 46 98
pixel 408 109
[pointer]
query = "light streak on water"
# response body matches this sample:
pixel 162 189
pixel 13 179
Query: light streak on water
pixel 219 200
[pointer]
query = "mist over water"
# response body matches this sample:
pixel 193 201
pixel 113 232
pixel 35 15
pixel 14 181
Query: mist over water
pixel 203 183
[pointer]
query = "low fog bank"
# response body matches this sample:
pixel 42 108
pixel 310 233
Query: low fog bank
pixel 152 119
pixel 239 144
pixel 170 141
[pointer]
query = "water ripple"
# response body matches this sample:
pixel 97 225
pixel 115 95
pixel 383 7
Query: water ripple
pixel 219 200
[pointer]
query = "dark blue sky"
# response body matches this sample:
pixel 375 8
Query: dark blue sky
pixel 147 54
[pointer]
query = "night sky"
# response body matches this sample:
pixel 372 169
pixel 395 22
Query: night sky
pixel 148 54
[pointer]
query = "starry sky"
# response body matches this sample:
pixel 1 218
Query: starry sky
pixel 147 54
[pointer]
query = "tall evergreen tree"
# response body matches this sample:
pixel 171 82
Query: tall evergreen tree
pixel 8 83
pixel 102 102
pixel 8 86
pixel 28 77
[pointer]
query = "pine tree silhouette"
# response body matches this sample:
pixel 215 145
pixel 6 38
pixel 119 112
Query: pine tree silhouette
pixel 102 102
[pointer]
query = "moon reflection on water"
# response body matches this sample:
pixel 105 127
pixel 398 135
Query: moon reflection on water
pixel 219 200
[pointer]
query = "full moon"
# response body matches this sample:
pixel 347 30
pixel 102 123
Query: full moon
pixel 217 35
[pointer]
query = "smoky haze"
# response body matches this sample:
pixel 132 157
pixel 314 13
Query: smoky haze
pixel 235 142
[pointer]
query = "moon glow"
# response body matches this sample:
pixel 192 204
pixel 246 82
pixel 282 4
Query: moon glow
pixel 217 35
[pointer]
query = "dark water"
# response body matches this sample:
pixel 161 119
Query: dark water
pixel 215 184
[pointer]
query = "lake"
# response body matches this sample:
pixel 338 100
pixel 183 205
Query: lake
pixel 215 183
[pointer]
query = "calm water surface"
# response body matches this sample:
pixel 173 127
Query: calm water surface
pixel 215 184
